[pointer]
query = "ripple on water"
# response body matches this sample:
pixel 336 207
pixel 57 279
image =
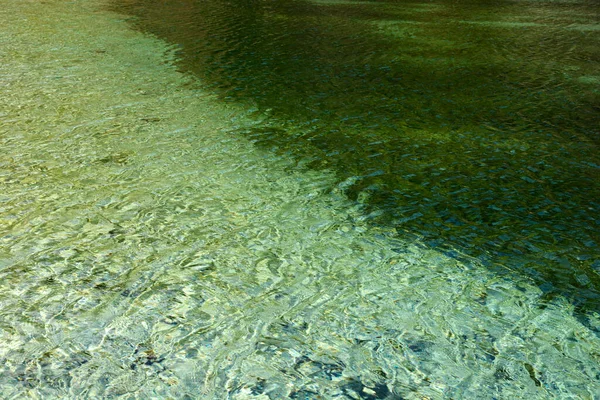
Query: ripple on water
pixel 472 125
pixel 166 256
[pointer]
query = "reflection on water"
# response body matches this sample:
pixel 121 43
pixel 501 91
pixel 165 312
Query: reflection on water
pixel 151 251
pixel 471 125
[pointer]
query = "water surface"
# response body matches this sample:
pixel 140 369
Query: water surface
pixel 163 239
pixel 467 125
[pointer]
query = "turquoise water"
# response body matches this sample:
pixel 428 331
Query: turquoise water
pixel 164 236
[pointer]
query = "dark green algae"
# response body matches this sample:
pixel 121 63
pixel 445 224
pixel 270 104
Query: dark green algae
pixel 471 127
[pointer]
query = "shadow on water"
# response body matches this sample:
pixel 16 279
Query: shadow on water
pixel 469 126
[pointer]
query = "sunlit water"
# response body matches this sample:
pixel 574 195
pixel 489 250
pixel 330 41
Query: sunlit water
pixel 469 125
pixel 148 250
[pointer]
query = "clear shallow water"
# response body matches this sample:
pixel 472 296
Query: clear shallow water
pixel 150 251
pixel 468 125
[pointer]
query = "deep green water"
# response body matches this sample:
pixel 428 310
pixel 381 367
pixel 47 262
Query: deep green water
pixel 299 200
pixel 470 125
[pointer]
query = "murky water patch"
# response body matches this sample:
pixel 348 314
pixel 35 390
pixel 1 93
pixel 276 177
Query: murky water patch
pixel 150 252
pixel 589 79
pixel 407 7
pixel 585 27
pixel 504 24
